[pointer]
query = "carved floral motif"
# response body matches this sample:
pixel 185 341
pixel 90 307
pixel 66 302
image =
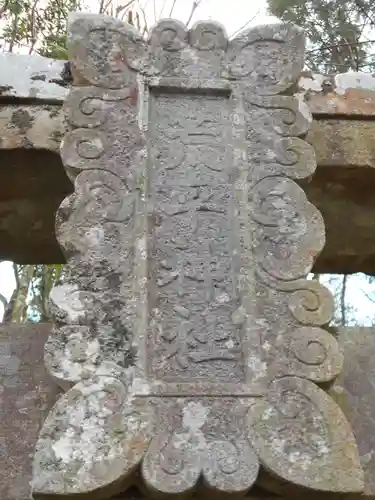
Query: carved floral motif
pixel 186 333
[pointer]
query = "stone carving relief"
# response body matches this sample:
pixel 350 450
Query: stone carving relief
pixel 187 337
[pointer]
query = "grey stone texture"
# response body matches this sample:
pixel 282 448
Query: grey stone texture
pixel 33 181
pixel 27 397
pixel 187 337
pixel 27 393
pixel 354 392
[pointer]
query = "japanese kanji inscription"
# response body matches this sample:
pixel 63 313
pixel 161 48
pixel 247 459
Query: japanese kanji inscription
pixel 187 337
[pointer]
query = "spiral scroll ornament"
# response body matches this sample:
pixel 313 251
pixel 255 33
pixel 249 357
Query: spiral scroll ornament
pixel 186 337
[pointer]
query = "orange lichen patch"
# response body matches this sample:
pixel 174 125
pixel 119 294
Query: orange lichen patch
pixel 346 94
pixel 353 102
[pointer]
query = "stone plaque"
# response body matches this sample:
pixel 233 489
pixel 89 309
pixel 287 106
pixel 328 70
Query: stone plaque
pixel 187 337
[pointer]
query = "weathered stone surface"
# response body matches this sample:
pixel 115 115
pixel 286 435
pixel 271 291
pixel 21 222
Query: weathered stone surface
pixel 345 94
pixel 31 126
pixel 27 225
pixel 343 144
pixel 32 77
pixel 26 395
pixel 341 188
pixel 354 390
pixel 33 184
pixel 186 334
pixel 37 78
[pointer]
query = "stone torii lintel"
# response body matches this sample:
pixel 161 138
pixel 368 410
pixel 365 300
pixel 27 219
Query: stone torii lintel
pixel 33 182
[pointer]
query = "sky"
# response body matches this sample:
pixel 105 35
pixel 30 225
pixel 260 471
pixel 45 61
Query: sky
pixel 234 15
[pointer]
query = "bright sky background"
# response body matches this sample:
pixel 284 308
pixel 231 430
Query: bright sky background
pixel 234 15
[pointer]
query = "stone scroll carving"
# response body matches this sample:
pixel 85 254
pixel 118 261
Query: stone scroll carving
pixel 187 337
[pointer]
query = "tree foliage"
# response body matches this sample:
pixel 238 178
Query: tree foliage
pixel 340 33
pixel 35 26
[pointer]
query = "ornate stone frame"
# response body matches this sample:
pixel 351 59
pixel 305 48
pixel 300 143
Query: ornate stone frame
pixel 120 413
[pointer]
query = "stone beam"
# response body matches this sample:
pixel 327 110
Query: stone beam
pixel 33 182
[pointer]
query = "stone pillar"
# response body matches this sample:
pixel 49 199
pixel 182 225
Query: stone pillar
pixel 27 393
pixel 187 337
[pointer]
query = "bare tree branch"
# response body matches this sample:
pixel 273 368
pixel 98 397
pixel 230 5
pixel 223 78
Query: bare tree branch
pixel 162 9
pixel 337 45
pixel 371 299
pixel 172 8
pixel 16 276
pixel 8 312
pixel 193 9
pixel 4 301
pixel 246 24
pixel 101 7
pixel 145 25
pixel 343 300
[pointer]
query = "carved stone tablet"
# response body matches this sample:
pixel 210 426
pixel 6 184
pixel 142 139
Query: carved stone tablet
pixel 186 335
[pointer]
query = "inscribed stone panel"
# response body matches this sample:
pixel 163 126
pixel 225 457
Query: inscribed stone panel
pixel 186 333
